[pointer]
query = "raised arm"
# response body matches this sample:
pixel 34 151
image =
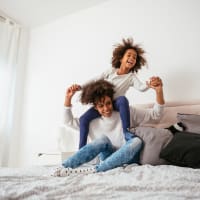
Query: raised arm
pixel 70 93
pixel 142 116
pixel 68 118
pixel 156 84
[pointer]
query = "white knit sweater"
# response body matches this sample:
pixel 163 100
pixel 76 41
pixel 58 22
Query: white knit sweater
pixel 112 126
pixel 122 82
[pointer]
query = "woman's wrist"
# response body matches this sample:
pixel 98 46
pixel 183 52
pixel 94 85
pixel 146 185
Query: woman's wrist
pixel 160 96
pixel 67 102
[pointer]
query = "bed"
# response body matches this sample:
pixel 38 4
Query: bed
pixel 154 179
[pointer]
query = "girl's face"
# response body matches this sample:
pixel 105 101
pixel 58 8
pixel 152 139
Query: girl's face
pixel 128 61
pixel 104 106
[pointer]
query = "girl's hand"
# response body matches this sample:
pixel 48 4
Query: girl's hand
pixel 154 82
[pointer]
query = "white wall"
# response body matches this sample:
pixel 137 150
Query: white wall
pixel 78 47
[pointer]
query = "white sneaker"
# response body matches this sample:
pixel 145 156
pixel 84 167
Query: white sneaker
pixel 68 171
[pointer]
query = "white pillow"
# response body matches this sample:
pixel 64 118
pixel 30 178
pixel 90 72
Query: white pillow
pixel 190 121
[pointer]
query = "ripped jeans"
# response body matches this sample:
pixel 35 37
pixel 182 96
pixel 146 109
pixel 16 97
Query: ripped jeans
pixel 110 157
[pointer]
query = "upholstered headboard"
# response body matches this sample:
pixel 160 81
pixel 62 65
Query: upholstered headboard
pixel 171 109
pixel 68 138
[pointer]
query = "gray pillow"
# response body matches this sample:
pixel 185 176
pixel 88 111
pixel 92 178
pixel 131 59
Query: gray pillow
pixel 155 139
pixel 190 121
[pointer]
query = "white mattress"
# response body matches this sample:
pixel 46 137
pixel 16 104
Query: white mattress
pixel 133 182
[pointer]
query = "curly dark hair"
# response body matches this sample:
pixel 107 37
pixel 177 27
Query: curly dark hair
pixel 120 50
pixel 94 91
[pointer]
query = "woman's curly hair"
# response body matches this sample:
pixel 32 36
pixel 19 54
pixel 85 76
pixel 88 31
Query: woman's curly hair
pixel 94 91
pixel 120 50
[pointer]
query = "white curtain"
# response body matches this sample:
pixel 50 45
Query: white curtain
pixel 9 47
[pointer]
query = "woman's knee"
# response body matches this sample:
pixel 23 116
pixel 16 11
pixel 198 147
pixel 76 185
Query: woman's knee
pixel 136 143
pixel 102 142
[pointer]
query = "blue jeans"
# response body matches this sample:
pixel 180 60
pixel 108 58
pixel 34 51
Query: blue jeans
pixel 121 104
pixel 111 158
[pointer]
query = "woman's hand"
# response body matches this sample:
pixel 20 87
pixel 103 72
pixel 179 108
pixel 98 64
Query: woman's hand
pixel 72 90
pixel 70 93
pixel 156 84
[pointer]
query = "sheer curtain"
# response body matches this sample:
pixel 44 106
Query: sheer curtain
pixel 9 49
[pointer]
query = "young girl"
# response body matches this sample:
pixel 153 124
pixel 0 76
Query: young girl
pixel 127 60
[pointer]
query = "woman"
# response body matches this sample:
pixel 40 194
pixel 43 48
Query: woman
pixel 106 132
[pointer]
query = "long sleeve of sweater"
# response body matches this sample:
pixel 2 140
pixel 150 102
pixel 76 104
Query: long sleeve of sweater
pixel 142 116
pixel 69 119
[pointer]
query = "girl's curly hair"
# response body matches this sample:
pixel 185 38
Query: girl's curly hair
pixel 120 50
pixel 94 91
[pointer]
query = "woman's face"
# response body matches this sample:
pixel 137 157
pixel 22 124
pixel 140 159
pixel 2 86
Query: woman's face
pixel 104 106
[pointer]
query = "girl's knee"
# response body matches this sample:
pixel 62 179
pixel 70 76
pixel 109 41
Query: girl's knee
pixel 122 99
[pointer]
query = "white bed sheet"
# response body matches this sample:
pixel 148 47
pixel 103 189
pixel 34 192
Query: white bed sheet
pixel 133 182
